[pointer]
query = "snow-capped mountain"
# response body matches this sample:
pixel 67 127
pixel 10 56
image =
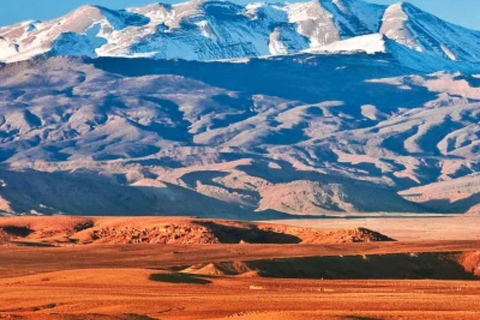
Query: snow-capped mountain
pixel 211 30
pixel 426 33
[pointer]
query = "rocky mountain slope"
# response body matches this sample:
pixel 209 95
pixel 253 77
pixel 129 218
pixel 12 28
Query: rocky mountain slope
pixel 120 136
pixel 375 119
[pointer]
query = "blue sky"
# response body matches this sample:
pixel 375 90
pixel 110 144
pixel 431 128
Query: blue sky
pixel 463 12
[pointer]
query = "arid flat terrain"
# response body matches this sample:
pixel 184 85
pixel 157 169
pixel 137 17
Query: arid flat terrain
pixel 406 228
pixel 128 269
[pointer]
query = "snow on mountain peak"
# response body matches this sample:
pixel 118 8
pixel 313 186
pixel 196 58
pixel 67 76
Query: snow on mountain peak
pixel 214 30
pixel 370 44
pixel 423 32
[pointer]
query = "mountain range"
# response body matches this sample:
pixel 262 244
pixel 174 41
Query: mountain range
pixel 212 30
pixel 209 108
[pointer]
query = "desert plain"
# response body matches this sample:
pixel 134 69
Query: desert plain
pixel 79 268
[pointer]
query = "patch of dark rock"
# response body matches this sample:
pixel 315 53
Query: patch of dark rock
pixel 178 278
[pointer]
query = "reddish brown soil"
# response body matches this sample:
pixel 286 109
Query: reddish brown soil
pixel 419 280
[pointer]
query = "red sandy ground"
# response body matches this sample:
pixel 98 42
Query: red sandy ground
pixel 132 282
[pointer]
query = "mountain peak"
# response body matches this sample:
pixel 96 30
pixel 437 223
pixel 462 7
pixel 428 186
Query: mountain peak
pixel 426 33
